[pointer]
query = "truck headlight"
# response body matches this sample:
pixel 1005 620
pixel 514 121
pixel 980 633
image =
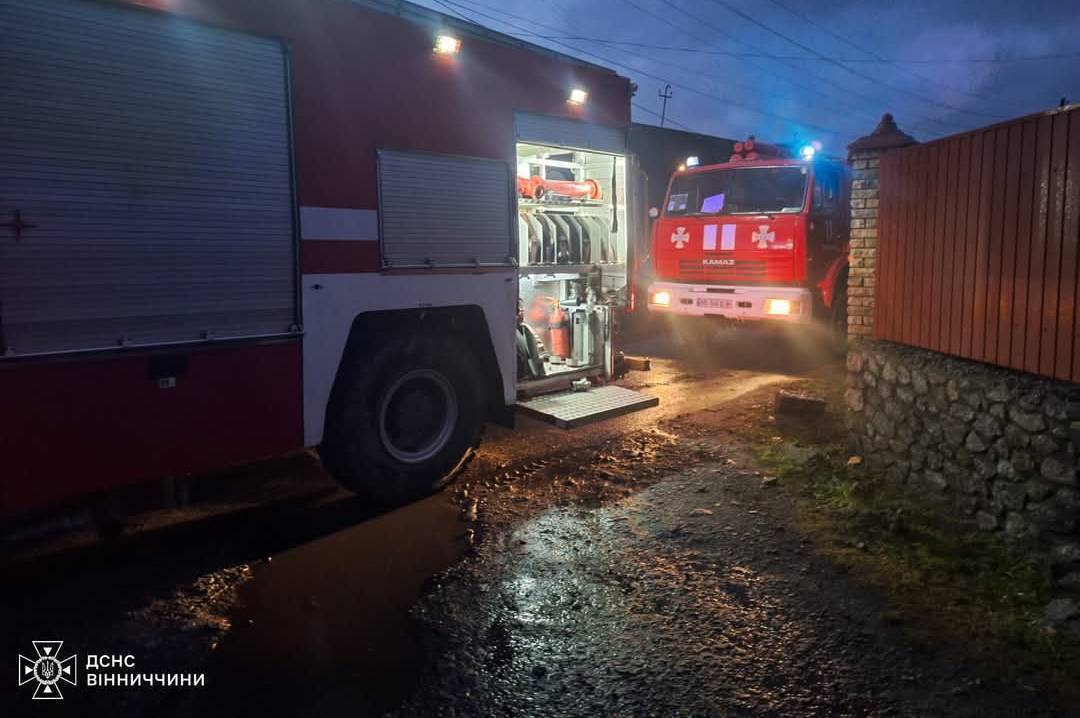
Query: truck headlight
pixel 781 307
pixel 661 298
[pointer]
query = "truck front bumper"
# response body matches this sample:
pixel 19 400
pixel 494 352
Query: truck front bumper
pixel 787 304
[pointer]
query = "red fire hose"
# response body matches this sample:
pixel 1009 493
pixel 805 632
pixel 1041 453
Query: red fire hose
pixel 535 187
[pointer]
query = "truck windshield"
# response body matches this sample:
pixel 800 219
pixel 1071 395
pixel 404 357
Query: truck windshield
pixel 748 190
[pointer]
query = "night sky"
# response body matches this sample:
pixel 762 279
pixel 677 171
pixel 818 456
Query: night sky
pixel 825 70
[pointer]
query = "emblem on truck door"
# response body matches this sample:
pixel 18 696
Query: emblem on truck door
pixel 679 237
pixel 763 237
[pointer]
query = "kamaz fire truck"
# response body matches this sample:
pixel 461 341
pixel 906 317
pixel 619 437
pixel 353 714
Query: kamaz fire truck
pixel 762 237
pixel 231 229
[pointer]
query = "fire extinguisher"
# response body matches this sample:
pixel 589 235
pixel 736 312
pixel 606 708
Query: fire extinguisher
pixel 559 331
pixel 539 316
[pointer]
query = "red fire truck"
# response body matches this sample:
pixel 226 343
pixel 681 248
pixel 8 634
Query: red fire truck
pixel 230 229
pixel 762 237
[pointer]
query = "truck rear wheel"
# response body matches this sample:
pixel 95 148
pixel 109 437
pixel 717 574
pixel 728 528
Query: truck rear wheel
pixel 408 418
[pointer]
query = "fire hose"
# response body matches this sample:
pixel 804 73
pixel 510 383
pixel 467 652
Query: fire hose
pixel 536 187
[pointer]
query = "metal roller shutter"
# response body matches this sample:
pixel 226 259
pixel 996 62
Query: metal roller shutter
pixel 444 211
pixel 152 155
pixel 572 134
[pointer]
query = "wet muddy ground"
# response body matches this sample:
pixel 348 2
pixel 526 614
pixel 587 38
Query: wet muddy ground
pixel 642 566
pixel 695 596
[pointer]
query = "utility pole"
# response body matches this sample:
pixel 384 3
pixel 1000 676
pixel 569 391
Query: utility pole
pixel 665 95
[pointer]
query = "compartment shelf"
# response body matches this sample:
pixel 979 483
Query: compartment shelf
pixel 562 206
pixel 575 269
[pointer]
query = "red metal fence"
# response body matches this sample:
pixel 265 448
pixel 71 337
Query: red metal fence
pixel 977 249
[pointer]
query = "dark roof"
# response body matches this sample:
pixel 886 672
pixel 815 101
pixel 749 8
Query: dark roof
pixel 685 134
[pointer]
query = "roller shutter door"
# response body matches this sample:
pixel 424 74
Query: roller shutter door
pixel 444 211
pixel 152 154
pixel 573 134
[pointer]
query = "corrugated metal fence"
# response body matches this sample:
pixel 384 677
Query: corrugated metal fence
pixel 978 236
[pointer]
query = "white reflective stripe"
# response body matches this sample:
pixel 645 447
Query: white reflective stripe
pixel 727 237
pixel 709 240
pixel 334 223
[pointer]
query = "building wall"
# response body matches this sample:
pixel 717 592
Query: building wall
pixel 660 150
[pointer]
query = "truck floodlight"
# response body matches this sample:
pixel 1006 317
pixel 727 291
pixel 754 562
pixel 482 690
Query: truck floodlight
pixel 692 161
pixel 578 96
pixel 447 45
pixel 807 152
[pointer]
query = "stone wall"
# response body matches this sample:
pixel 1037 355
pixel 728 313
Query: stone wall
pixel 1000 445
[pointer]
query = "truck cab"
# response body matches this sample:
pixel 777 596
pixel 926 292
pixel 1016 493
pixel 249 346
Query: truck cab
pixel 755 238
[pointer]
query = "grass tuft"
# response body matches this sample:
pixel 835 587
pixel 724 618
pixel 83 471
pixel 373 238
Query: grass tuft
pixel 940 576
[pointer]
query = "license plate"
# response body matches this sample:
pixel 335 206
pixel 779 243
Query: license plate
pixel 711 303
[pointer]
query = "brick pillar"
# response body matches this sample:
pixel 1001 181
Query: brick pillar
pixel 864 156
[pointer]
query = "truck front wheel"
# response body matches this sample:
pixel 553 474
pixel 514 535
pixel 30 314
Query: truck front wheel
pixel 408 418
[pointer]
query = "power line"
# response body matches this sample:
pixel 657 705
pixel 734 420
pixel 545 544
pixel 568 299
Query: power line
pixel 728 81
pixel 452 11
pixel 876 57
pixel 876 80
pixel 473 6
pixel 668 119
pixel 978 60
pixel 639 71
pixel 875 60
pixel 845 92
pixel 770 72
pixel 672 48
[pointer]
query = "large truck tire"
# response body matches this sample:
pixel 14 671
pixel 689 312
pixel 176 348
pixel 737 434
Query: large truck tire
pixel 409 418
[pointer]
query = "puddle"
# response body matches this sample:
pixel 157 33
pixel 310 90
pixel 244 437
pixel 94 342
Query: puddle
pixel 324 628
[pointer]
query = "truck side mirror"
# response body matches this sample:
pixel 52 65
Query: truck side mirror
pixel 653 213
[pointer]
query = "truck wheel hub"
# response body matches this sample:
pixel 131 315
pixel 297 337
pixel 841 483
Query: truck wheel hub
pixel 417 415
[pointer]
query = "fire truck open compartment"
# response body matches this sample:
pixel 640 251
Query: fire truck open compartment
pixel 572 245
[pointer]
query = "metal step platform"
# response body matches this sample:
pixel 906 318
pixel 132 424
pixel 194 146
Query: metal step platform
pixel 570 409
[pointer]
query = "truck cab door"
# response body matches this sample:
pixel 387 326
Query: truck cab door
pixel 639 245
pixel 826 232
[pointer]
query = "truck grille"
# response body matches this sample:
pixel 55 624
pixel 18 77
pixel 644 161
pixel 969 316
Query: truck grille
pixel 745 270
